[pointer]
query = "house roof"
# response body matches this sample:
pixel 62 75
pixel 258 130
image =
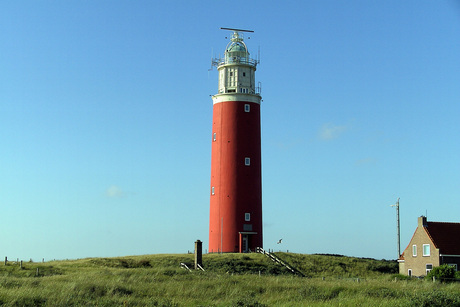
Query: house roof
pixel 445 236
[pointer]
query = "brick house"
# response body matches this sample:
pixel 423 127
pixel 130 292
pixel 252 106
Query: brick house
pixel 433 244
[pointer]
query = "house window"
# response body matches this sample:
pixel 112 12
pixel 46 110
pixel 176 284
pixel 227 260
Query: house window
pixel 429 267
pixel 409 272
pixel 212 191
pixel 426 249
pixel 231 74
pixel 247 217
pixel 244 74
pixel 454 265
pixel 247 108
pixel 414 250
pixel 214 137
pixel 247 161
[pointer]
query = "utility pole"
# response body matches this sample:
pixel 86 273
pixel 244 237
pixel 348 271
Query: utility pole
pixel 397 225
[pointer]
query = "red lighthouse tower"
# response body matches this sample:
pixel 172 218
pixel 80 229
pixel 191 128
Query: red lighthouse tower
pixel 236 176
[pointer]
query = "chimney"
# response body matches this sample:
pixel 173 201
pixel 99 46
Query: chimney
pixel 422 221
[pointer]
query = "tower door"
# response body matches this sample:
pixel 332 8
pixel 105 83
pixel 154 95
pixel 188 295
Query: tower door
pixel 245 244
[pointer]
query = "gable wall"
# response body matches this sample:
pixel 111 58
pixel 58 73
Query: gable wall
pixel 418 263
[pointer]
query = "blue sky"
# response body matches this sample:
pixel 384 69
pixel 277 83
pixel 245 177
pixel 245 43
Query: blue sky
pixel 105 123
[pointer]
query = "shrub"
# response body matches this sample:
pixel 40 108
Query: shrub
pixel 443 273
pixel 384 266
pixel 457 275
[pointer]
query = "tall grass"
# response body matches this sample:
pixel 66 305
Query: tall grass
pixel 229 280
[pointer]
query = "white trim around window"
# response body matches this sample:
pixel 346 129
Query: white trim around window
pixel 428 268
pixel 426 250
pixel 414 250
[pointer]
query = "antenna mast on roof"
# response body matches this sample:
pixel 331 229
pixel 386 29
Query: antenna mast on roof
pixel 397 225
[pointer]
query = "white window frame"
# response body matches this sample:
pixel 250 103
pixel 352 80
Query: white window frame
pixel 429 250
pixel 414 250
pixel 247 108
pixel 427 270
pixel 247 161
pixel 214 137
pixel 247 217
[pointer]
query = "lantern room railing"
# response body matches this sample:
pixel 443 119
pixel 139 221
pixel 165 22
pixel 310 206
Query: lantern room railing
pixel 234 60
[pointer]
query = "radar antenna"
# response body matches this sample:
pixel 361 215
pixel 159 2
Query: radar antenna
pixel 237 30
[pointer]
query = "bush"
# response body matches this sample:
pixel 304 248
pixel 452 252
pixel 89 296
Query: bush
pixel 443 273
pixel 457 275
pixel 384 266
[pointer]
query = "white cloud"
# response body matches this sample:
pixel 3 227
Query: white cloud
pixel 330 131
pixel 114 192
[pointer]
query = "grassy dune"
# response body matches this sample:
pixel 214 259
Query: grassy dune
pixel 229 280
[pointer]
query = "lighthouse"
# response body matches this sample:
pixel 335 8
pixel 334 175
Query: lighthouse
pixel 236 171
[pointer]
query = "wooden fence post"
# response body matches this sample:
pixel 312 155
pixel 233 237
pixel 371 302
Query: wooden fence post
pixel 20 265
pixel 6 260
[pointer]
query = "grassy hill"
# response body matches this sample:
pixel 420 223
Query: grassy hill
pixel 229 280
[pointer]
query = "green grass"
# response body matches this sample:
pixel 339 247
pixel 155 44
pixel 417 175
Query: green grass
pixel 229 280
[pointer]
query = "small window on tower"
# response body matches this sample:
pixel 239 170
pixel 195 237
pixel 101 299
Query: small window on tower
pixel 247 217
pixel 231 74
pixel 214 137
pixel 244 74
pixel 247 108
pixel 247 161
pixel 212 191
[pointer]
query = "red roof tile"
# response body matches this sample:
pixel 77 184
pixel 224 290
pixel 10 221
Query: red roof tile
pixel 445 236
